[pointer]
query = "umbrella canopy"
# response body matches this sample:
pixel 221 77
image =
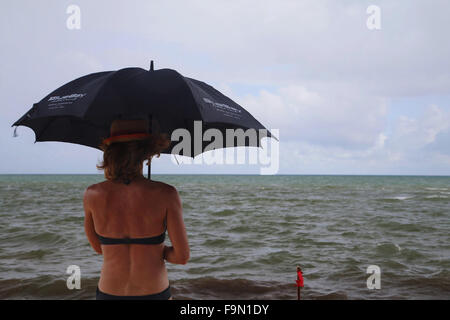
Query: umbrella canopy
pixel 82 110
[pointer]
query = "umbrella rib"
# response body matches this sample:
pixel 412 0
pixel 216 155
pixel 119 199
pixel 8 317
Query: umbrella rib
pixel 196 110
pixel 110 77
pixel 39 134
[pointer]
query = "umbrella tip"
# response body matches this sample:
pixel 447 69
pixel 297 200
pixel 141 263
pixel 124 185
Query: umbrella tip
pixel 151 65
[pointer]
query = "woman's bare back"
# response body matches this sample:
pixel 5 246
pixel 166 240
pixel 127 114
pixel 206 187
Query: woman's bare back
pixel 137 210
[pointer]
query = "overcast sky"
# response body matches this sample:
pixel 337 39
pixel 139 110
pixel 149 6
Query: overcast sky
pixel 346 99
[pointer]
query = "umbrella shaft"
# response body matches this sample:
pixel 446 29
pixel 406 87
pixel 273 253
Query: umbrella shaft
pixel 149 169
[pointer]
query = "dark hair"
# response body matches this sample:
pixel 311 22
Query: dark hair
pixel 122 161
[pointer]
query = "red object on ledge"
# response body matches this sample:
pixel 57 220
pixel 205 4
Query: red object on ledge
pixel 299 281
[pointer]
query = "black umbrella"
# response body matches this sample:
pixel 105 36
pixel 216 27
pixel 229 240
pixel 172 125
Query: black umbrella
pixel 82 110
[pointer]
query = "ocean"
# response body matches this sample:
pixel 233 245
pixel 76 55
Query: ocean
pixel 247 234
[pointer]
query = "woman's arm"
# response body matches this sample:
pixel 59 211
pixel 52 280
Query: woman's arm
pixel 179 251
pixel 89 224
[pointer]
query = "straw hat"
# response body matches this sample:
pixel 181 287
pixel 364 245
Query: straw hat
pixel 127 130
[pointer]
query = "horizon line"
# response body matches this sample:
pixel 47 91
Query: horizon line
pixel 246 174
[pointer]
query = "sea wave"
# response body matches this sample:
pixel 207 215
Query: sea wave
pixel 51 287
pixel 247 234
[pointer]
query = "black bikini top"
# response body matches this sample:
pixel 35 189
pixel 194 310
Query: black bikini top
pixel 151 240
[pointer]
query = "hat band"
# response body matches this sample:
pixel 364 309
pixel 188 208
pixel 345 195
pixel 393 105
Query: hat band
pixel 126 137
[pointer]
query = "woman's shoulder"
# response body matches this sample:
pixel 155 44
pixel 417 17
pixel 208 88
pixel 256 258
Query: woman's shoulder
pixel 165 187
pixel 95 186
pixel 94 189
pixel 91 194
pixel 158 186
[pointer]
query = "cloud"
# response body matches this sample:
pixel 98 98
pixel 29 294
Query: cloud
pixel 415 145
pixel 322 41
pixel 326 117
pixel 418 137
pixel 309 68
